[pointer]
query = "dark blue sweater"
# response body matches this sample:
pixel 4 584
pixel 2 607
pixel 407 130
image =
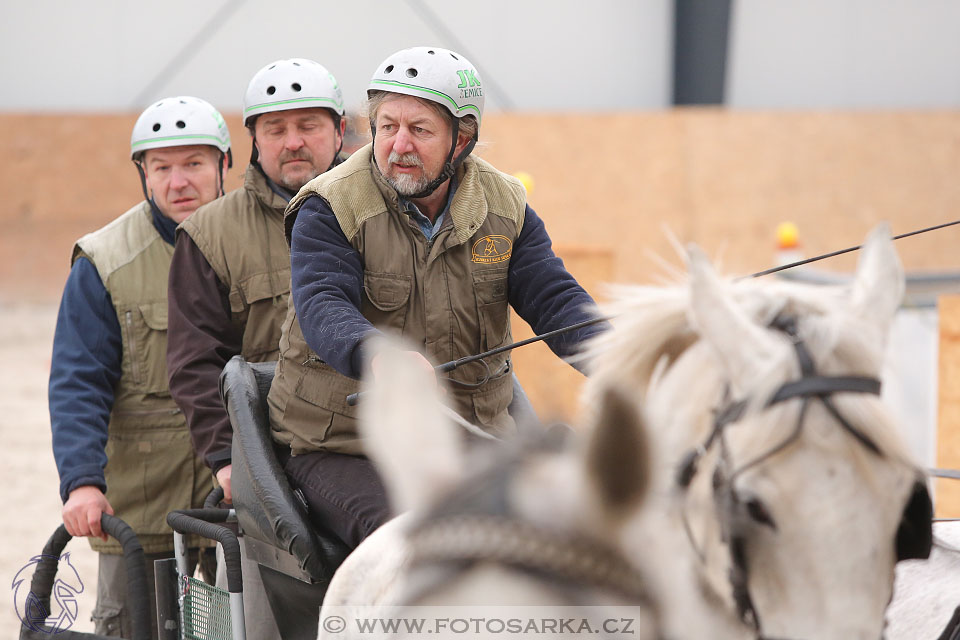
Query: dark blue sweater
pixel 84 371
pixel 327 279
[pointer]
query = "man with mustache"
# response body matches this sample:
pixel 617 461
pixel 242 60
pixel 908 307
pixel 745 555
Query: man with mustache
pixel 118 436
pixel 230 276
pixel 413 236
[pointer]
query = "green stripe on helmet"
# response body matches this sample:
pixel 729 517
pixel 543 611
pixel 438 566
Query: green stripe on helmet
pixel 264 105
pixel 456 107
pixel 193 136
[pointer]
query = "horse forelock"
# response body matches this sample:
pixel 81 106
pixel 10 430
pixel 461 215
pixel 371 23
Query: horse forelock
pixel 654 350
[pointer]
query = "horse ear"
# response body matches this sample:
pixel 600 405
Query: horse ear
pixel 743 346
pixel 404 431
pixel 879 285
pixel 618 454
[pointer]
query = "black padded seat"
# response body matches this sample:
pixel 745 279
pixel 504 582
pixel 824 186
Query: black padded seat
pixel 273 519
pixel 296 560
pixel 277 532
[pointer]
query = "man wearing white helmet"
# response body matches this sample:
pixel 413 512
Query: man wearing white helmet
pixel 118 436
pixel 411 236
pixel 230 277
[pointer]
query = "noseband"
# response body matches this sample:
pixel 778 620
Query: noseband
pixel 810 387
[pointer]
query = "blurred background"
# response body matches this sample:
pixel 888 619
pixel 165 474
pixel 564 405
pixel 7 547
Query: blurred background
pixel 719 122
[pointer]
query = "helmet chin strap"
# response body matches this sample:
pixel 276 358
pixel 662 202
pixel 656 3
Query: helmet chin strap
pixel 143 180
pixel 337 131
pixel 229 156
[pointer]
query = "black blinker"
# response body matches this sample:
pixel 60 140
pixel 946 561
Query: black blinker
pixel 915 533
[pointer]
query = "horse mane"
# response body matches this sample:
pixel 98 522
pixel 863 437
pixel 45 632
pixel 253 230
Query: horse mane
pixel 654 339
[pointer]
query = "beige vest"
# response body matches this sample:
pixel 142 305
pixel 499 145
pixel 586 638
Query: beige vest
pixel 241 236
pixel 151 468
pixel 448 296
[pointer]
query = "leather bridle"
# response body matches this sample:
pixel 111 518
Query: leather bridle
pixel 810 387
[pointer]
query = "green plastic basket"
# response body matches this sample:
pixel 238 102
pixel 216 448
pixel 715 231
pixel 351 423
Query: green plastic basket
pixel 206 611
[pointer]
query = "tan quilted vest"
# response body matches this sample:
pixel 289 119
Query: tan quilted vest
pixel 241 236
pixel 447 296
pixel 151 468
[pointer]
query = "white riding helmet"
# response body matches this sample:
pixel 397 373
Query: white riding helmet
pixel 296 83
pixel 177 122
pixel 434 74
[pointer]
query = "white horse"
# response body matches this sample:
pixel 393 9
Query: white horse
pixel 781 494
pixel 523 524
pixel 781 474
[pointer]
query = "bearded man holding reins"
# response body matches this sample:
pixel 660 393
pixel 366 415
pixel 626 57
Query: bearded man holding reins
pixel 412 236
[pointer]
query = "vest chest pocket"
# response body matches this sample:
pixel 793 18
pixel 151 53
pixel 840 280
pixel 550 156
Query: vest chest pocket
pixel 145 345
pixel 386 297
pixel 490 287
pixel 259 305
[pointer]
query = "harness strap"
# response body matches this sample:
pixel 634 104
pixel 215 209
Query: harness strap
pixel 521 545
pixel 824 385
pixel 952 630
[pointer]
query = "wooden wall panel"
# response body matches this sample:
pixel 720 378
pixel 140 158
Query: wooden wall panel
pixel 552 385
pixel 721 178
pixel 948 430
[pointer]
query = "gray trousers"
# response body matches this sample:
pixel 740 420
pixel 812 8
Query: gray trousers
pixel 258 617
pixel 111 615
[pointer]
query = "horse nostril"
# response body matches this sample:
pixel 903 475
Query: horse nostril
pixel 759 513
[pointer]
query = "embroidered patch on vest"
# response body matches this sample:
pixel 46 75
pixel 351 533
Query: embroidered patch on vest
pixel 492 249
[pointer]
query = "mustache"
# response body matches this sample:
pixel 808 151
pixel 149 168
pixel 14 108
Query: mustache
pixel 299 154
pixel 409 159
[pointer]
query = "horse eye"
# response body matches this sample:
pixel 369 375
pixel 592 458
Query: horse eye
pixel 758 511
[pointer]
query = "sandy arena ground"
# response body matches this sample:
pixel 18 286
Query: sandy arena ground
pixel 28 475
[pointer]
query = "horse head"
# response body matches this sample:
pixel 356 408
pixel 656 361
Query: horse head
pixel 791 489
pixel 537 522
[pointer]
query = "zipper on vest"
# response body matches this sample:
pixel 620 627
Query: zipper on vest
pixel 132 341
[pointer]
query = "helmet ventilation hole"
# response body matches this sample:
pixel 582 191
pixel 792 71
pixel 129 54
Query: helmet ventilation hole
pixel 296 64
pixel 432 52
pixel 454 57
pixel 388 69
pixel 156 126
pixel 295 86
pixel 271 66
pixel 411 73
pixel 271 90
pixel 181 124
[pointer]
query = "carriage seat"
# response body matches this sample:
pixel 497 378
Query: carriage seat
pixel 277 532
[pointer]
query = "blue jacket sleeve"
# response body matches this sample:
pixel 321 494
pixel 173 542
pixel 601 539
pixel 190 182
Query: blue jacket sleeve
pixel 84 371
pixel 544 293
pixel 326 285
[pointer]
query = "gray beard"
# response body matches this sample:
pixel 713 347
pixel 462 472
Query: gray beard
pixel 404 184
pixel 407 185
